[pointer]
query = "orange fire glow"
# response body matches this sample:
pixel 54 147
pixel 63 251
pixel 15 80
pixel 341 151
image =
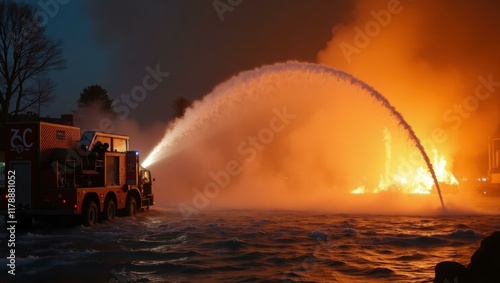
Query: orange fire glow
pixel 423 77
pixel 415 181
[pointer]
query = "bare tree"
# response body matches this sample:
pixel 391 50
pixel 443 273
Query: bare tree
pixel 42 93
pixel 26 54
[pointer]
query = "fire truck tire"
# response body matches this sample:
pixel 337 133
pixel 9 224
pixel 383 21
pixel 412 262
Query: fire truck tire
pixel 109 210
pixel 131 206
pixel 90 214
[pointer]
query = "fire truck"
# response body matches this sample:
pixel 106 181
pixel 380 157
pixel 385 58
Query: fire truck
pixel 53 171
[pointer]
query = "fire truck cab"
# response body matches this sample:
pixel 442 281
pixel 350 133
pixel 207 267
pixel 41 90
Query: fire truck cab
pixel 58 173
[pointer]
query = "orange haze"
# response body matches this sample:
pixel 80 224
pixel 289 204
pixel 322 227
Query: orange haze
pixel 431 59
pixel 436 62
pixel 283 136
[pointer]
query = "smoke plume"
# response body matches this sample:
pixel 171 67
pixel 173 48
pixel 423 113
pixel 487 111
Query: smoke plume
pixel 437 61
pixel 295 136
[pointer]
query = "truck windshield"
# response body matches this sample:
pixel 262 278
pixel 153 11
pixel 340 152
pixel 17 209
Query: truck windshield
pixel 145 176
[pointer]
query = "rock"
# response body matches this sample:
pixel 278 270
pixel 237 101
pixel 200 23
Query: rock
pixel 451 271
pixel 485 262
pixel 484 266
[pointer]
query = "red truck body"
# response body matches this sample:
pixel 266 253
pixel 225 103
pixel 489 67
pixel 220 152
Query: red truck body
pixel 55 172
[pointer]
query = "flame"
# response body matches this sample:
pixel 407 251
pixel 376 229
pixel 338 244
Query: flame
pixel 358 190
pixel 417 181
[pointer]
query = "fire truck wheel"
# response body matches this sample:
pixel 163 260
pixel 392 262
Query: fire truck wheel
pixel 90 214
pixel 131 206
pixel 109 210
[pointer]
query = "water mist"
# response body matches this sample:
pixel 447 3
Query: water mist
pixel 334 140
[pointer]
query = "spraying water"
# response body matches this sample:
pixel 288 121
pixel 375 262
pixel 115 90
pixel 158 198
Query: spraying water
pixel 242 95
pixel 402 122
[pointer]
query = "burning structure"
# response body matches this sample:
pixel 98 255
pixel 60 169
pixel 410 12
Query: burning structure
pixel 494 161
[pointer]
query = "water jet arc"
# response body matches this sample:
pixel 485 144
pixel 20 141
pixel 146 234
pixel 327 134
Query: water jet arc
pixel 401 121
pixel 176 135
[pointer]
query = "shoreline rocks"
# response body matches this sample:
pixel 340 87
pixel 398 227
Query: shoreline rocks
pixel 484 266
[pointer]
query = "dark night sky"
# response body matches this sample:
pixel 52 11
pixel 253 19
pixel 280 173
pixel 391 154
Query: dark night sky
pixel 429 56
pixel 428 59
pixel 111 42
